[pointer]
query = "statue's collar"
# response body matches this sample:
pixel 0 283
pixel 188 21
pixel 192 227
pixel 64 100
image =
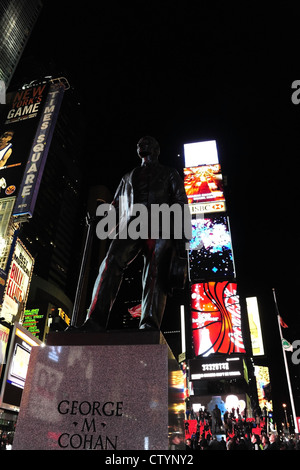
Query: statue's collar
pixel 149 163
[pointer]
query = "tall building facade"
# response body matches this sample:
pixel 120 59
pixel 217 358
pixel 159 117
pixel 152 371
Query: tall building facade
pixel 17 19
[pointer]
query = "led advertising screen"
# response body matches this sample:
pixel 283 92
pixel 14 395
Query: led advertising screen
pixel 201 153
pixel 210 254
pixel 17 365
pixel 216 319
pixel 204 184
pixel 262 378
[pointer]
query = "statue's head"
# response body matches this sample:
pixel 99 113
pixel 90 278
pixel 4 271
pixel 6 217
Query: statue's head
pixel 148 147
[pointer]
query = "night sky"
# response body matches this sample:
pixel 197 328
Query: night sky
pixel 189 71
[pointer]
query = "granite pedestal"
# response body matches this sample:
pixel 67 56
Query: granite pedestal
pixel 102 391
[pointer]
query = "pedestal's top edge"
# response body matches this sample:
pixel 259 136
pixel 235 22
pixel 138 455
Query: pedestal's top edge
pixel 111 337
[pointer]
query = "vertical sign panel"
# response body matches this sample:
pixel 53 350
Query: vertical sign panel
pixel 216 319
pixel 255 327
pixel 30 184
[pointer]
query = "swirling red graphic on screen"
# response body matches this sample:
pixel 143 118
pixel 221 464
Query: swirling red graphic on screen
pixel 216 318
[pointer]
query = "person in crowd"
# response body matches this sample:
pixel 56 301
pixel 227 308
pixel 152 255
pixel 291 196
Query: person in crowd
pixel 265 442
pixel 256 444
pixel 222 443
pixel 188 444
pixel 232 443
pixel 273 442
pixel 217 420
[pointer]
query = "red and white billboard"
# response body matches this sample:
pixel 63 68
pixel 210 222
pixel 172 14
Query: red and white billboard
pixel 18 283
pixel 216 319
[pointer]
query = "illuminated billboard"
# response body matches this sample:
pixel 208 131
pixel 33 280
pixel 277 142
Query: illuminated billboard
pixel 201 153
pixel 255 327
pixel 204 184
pixel 20 118
pixel 34 322
pixel 26 126
pixel 262 378
pixel 211 255
pixel 4 335
pixel 18 283
pixel 17 365
pixel 216 319
pixel 216 368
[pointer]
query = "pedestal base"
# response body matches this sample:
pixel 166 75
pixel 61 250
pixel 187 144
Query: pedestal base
pixel 107 391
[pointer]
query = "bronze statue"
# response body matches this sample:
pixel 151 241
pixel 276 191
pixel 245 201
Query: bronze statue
pixel 164 258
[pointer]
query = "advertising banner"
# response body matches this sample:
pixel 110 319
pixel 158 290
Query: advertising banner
pixel 262 378
pixel 19 120
pixel 18 282
pixel 216 319
pixel 255 327
pixel 32 176
pixel 4 335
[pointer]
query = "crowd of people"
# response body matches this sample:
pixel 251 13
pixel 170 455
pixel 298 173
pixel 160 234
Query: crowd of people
pixel 211 431
pixel 5 441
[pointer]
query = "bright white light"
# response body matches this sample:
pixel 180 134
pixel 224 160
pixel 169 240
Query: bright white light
pixel 201 153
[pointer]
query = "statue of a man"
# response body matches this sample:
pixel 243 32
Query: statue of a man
pixel 150 184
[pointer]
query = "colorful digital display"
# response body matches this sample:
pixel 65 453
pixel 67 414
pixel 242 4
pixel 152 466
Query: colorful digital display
pixel 201 153
pixel 262 377
pixel 204 184
pixel 19 120
pixel 211 254
pixel 216 319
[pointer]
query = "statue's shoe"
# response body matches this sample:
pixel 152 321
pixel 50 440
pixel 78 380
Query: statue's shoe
pixel 90 326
